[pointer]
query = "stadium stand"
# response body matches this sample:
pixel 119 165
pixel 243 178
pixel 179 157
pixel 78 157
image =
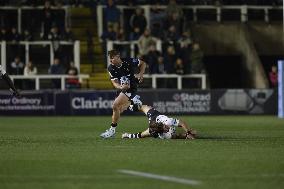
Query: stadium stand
pixel 189 34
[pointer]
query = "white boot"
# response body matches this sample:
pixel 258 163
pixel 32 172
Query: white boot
pixel 110 133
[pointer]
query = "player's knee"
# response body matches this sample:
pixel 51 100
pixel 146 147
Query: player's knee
pixel 116 107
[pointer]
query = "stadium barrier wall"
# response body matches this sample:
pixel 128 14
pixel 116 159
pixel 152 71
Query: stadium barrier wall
pixel 178 102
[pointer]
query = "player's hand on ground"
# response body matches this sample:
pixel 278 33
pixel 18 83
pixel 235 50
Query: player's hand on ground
pixel 190 135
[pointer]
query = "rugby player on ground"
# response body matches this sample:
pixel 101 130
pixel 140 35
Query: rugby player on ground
pixel 162 126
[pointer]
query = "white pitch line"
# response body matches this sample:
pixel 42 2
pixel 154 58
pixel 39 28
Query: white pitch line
pixel 160 177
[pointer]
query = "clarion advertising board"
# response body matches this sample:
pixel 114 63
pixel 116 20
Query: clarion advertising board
pixel 185 102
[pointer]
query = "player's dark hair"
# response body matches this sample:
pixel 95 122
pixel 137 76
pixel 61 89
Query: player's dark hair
pixel 156 127
pixel 113 53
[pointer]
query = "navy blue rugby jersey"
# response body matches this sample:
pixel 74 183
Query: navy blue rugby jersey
pixel 126 69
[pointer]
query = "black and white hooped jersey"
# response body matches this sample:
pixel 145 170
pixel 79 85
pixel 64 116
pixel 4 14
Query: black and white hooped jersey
pixel 126 69
pixel 2 72
pixel 154 115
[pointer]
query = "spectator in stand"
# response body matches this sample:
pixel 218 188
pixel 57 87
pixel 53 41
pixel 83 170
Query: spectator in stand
pixel 173 20
pixel 152 59
pixel 55 38
pixel 179 66
pixel 59 16
pixel 273 77
pixel 120 34
pixel 72 70
pixel 56 69
pixel 171 37
pixel 65 51
pixel 68 35
pixel 174 17
pixel 17 66
pixel 47 19
pixel 112 15
pixel 3 35
pixel 135 34
pixel 170 59
pixel 54 34
pixel 161 66
pixel 29 70
pixel 27 35
pixel 157 17
pixel 196 59
pixel 145 41
pixel 138 20
pixel 218 2
pixel 184 49
pixel 72 83
pixel 124 49
pixel 173 8
pixel 109 34
pixel 185 40
pixel 15 36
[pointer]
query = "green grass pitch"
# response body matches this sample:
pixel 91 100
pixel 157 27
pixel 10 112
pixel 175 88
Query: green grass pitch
pixel 67 153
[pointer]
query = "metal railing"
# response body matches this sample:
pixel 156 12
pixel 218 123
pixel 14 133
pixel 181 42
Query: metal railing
pixel 20 9
pixel 37 78
pixel 132 44
pixel 179 78
pixel 218 9
pixel 27 44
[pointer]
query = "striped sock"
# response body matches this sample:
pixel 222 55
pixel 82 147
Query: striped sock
pixel 113 124
pixel 136 135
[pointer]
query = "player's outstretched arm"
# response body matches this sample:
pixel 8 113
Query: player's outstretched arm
pixel 189 133
pixel 11 85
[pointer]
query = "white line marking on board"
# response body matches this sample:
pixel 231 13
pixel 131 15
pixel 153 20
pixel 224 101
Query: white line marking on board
pixel 160 177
